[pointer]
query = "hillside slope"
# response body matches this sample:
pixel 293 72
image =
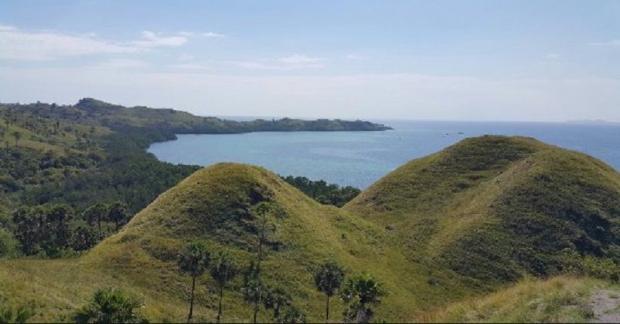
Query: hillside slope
pixel 471 219
pixel 213 205
pixel 493 209
pixel 557 300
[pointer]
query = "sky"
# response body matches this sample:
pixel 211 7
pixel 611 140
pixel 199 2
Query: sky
pixel 429 60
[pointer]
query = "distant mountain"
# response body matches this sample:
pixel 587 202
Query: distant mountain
pixel 484 213
pixel 593 122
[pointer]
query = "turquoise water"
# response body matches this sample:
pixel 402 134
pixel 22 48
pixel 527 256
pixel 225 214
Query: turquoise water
pixel 360 158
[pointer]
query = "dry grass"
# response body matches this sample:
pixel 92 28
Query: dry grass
pixel 559 300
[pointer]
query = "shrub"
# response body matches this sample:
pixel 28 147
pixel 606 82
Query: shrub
pixel 111 306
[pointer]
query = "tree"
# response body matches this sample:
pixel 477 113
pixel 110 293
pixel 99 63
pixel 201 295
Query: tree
pixel 95 215
pixel 110 306
pixel 57 221
pixel 193 260
pixel 253 288
pixel 17 135
pixel 118 214
pixel 43 228
pixel 28 227
pixel 328 279
pixel 8 244
pixel 276 299
pixel 360 292
pixel 83 238
pixel 291 315
pixel 261 212
pixel 222 271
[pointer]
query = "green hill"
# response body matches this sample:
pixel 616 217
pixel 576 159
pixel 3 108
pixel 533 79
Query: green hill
pixel 494 209
pixel 469 220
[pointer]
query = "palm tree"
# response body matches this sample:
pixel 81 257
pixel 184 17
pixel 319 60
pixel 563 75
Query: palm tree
pixel 360 292
pixel 261 212
pixel 328 279
pixel 253 288
pixel 96 214
pixel 276 299
pixel 193 260
pixel 118 214
pixel 17 135
pixel 222 271
pixel 291 314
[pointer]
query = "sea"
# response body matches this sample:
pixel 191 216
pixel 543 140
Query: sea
pixel 360 158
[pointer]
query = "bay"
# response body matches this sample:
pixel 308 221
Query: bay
pixel 360 158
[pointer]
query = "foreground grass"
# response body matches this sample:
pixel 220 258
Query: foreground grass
pixel 561 299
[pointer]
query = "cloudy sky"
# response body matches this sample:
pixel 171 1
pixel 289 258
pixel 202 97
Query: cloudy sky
pixel 446 60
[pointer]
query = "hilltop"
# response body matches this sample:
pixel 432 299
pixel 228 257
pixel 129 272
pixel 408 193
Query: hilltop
pixel 493 209
pixel 470 220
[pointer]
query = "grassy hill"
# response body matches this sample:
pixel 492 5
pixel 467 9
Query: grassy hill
pixel 494 209
pixel 467 221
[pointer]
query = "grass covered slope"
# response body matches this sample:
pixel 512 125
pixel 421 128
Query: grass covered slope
pixel 213 205
pixel 493 209
pixel 471 219
pixel 558 300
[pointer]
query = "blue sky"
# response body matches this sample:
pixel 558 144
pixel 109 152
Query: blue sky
pixel 450 60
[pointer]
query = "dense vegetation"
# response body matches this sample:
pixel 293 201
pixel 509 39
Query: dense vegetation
pixel 323 192
pixel 79 158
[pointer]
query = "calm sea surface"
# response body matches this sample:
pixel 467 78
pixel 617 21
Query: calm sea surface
pixel 361 158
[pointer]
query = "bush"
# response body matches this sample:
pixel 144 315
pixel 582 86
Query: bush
pixel 20 314
pixel 110 306
pixel 9 246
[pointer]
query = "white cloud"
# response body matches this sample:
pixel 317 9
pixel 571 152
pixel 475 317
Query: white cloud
pixel 297 59
pixel 21 45
pixel 610 43
pixel 151 39
pixel 18 44
pixel 205 34
pixel 552 56
pixel 122 64
pixel 355 57
pixel 190 67
pixel 213 35
pixel 292 62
